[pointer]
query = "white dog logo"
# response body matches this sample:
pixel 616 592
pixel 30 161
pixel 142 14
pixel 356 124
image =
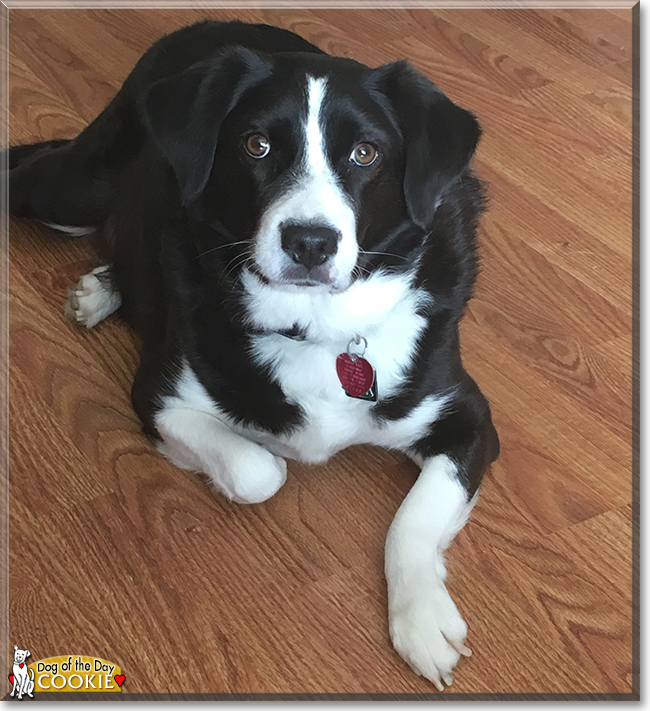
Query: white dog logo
pixel 22 681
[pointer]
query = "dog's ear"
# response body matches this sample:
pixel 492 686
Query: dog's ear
pixel 183 113
pixel 27 653
pixel 15 647
pixel 439 136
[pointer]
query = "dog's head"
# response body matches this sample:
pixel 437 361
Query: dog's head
pixel 310 164
pixel 20 654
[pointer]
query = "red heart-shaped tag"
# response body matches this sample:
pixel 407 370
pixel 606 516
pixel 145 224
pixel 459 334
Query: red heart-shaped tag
pixel 119 678
pixel 356 376
pixel 11 678
pixel 21 665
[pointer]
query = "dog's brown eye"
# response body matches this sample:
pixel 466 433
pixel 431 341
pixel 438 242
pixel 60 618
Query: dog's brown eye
pixel 364 154
pixel 258 145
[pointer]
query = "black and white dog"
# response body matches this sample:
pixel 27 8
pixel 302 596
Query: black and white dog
pixel 293 236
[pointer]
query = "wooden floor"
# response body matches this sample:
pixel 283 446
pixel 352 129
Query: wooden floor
pixel 115 553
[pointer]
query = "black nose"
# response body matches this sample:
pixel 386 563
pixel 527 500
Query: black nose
pixel 309 245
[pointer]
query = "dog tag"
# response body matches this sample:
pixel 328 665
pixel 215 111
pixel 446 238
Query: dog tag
pixel 357 377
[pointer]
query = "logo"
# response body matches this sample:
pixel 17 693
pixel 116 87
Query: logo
pixel 64 674
pixel 22 677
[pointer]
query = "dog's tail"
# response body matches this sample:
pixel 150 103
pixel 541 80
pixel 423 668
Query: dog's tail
pixel 16 155
pixel 70 184
pixel 31 672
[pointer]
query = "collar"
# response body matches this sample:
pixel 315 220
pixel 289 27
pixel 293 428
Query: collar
pixel 295 333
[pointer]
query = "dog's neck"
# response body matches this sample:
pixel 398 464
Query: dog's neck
pixel 329 317
pixel 295 333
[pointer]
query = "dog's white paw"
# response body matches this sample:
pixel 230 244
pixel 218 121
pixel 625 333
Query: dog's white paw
pixel 429 634
pixel 92 300
pixel 249 476
pixel 198 440
pixel 258 476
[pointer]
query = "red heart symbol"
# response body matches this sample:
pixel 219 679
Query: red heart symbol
pixel 356 376
pixel 11 678
pixel 21 665
pixel 119 678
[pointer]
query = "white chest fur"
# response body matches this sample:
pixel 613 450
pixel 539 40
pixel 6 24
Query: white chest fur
pixel 382 309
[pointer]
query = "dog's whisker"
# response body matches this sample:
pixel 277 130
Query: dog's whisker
pixel 222 246
pixel 236 263
pixel 386 254
pixel 360 271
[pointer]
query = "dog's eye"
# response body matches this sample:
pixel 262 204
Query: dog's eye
pixel 258 145
pixel 364 154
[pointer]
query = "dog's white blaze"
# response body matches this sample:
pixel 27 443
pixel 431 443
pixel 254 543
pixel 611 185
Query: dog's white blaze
pixel 316 197
pixel 315 159
pixel 425 625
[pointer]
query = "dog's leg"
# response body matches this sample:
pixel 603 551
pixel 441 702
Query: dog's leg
pixel 180 416
pixel 93 299
pixel 196 440
pixel 21 687
pixel 425 626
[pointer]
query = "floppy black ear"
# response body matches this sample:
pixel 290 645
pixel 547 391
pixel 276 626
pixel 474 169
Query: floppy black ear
pixel 183 113
pixel 439 136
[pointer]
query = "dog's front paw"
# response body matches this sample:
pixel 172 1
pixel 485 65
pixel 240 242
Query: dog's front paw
pixel 429 634
pixel 255 477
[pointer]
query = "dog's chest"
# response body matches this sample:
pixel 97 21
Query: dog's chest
pixel 386 315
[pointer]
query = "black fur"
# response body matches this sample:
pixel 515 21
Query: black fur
pixel 161 172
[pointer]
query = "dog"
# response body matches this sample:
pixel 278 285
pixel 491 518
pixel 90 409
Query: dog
pixel 293 236
pixel 23 681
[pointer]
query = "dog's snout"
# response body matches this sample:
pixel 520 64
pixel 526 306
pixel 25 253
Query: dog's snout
pixel 309 245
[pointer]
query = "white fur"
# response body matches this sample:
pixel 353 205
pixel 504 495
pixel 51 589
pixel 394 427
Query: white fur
pixel 316 198
pixel 71 230
pixel 382 309
pixel 92 300
pixel 337 316
pixel 425 625
pixel 195 438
